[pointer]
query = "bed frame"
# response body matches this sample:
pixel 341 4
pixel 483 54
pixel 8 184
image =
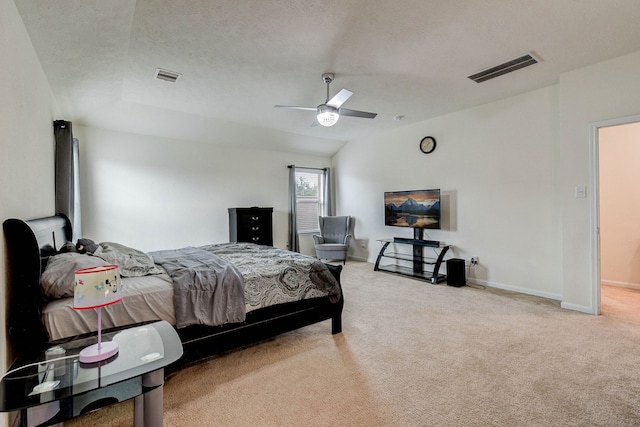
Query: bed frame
pixel 30 244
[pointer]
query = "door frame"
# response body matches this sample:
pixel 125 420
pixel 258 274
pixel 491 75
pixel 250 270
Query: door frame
pixel 594 172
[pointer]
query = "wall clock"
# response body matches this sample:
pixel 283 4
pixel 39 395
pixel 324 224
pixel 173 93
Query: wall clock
pixel 428 144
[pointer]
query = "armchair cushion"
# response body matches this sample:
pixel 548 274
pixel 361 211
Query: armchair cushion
pixel 333 243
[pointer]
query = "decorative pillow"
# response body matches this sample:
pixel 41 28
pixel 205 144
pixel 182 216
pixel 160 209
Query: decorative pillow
pixel 67 247
pixel 132 262
pixel 86 245
pixel 58 278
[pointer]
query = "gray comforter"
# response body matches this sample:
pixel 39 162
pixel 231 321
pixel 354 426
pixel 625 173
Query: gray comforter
pixel 208 290
pixel 276 276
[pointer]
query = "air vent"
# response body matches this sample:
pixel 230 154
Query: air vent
pixel 167 76
pixel 504 68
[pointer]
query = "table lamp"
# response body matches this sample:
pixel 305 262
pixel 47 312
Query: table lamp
pixel 96 287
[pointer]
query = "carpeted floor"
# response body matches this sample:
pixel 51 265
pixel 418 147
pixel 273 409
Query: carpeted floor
pixel 415 354
pixel 620 303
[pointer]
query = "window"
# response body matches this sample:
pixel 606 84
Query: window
pixel 309 199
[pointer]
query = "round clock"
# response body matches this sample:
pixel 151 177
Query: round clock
pixel 428 144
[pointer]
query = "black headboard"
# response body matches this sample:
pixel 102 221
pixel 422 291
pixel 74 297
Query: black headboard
pixel 29 245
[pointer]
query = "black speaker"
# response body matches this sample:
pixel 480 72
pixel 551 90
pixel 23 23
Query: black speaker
pixel 455 272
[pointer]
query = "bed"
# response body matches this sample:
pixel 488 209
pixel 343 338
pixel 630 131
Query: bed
pixel 271 303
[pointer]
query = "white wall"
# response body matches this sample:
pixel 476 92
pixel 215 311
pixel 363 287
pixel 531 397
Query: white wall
pixel 603 91
pixel 496 166
pixel 26 143
pixel 619 157
pixel 156 193
pixel 510 169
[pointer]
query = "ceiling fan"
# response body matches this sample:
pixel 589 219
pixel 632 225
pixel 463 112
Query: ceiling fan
pixel 327 114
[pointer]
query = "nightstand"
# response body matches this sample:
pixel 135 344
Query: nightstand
pixel 56 387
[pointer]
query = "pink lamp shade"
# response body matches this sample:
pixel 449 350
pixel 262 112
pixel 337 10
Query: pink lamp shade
pixel 96 287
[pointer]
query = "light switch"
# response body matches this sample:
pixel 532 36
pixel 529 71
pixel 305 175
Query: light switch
pixel 581 192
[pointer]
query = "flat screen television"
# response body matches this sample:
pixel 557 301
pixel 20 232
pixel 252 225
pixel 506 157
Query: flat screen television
pixel 416 209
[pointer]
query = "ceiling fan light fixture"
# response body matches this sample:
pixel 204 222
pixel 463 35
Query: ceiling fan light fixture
pixel 327 116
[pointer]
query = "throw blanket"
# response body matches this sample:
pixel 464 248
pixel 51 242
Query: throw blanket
pixel 207 289
pixel 275 276
pixel 132 262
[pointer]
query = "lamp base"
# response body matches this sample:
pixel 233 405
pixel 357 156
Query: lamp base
pixel 91 354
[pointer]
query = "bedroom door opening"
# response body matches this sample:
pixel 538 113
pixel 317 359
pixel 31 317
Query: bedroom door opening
pixel 616 208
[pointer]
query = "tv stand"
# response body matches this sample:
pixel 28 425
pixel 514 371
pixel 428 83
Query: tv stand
pixel 417 259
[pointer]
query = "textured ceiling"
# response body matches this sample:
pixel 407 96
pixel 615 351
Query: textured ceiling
pixel 238 58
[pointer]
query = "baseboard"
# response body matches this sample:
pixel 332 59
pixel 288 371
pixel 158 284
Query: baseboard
pixel 526 291
pixel 549 295
pixel 628 285
pixel 576 307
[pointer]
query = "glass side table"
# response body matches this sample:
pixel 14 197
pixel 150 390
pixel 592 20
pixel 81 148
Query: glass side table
pixel 57 387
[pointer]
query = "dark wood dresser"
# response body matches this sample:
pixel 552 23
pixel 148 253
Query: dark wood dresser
pixel 251 225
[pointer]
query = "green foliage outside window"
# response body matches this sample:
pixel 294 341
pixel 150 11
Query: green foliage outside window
pixel 305 187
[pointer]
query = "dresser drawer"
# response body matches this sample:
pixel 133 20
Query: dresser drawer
pixel 253 225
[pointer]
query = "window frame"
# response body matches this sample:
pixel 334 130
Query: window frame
pixel 320 174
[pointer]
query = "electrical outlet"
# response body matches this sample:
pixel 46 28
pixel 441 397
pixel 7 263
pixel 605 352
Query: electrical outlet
pixel 474 260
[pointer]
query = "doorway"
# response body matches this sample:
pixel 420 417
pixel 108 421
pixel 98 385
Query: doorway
pixel 617 209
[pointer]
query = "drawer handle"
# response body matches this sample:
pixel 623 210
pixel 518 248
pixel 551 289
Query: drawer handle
pixel 255 239
pixel 256 228
pixel 255 218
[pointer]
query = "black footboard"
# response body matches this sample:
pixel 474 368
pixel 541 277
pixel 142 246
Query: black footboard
pixel 201 342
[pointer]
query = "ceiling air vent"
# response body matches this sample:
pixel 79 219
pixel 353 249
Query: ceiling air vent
pixel 167 76
pixel 504 68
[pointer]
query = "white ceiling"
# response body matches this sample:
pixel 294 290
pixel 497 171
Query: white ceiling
pixel 238 58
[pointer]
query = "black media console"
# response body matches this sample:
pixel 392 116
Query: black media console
pixel 417 258
pixel 421 242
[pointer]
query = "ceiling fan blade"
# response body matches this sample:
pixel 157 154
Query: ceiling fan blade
pixel 339 98
pixel 356 113
pixel 294 107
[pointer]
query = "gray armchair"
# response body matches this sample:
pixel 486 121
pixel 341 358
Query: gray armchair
pixel 333 242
